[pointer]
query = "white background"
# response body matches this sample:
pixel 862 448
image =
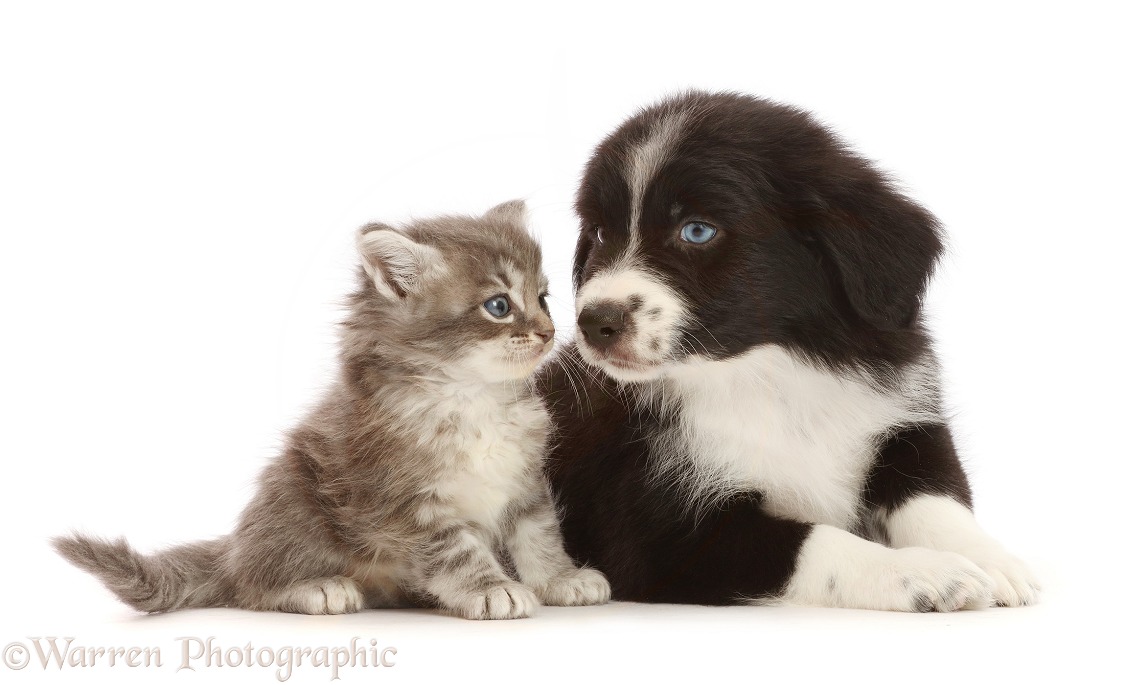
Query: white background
pixel 178 193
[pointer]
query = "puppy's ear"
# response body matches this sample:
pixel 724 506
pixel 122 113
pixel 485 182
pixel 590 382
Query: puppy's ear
pixel 882 246
pixel 581 254
pixel 513 211
pixel 396 264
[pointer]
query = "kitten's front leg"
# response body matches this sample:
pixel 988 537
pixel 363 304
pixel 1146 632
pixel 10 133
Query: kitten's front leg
pixel 461 572
pixel 535 545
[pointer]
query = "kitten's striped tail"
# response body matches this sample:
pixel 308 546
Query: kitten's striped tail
pixel 180 577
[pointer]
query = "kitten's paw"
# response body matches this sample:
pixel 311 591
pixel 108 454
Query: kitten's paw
pixel 337 595
pixel 504 600
pixel 1014 585
pixel 927 580
pixel 582 587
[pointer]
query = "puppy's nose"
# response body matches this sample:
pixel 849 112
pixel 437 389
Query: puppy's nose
pixel 603 323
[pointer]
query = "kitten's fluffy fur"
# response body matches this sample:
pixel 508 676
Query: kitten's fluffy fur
pixel 418 477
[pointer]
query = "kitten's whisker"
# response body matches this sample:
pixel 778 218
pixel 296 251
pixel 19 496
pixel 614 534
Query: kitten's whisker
pixel 575 384
pixel 592 375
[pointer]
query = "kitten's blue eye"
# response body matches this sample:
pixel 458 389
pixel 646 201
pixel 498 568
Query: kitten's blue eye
pixel 498 306
pixel 697 233
pixel 542 301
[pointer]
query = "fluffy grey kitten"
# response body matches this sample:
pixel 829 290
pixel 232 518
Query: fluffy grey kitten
pixel 418 479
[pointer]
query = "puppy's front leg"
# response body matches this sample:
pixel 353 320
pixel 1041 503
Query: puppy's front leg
pixel 836 568
pixel 921 499
pixel 940 522
pixel 740 553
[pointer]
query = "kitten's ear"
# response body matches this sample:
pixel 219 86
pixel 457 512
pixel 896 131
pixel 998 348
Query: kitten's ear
pixel 396 264
pixel 513 211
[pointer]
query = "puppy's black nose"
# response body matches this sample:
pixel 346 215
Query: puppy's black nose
pixel 603 323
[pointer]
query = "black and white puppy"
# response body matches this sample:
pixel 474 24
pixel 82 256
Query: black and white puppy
pixel 753 415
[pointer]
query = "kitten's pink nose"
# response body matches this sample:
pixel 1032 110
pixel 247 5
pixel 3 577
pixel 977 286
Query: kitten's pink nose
pixel 545 335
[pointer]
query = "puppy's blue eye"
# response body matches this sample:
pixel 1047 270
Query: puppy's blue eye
pixel 498 306
pixel 697 233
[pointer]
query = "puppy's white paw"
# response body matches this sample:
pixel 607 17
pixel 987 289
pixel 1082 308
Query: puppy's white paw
pixel 920 579
pixel 501 601
pixel 582 587
pixel 1014 585
pixel 941 523
pixel 337 595
pixel 838 569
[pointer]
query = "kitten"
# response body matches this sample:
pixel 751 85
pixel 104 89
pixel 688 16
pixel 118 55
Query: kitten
pixel 418 479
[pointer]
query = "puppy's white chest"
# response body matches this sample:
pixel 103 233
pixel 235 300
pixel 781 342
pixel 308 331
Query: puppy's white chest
pixel 768 422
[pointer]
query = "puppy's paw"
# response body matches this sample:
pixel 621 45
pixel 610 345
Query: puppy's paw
pixel 581 587
pixel 1014 585
pixel 940 522
pixel 337 595
pixel 838 569
pixel 921 579
pixel 501 601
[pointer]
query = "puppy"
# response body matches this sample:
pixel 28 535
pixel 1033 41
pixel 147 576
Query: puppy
pixel 752 413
